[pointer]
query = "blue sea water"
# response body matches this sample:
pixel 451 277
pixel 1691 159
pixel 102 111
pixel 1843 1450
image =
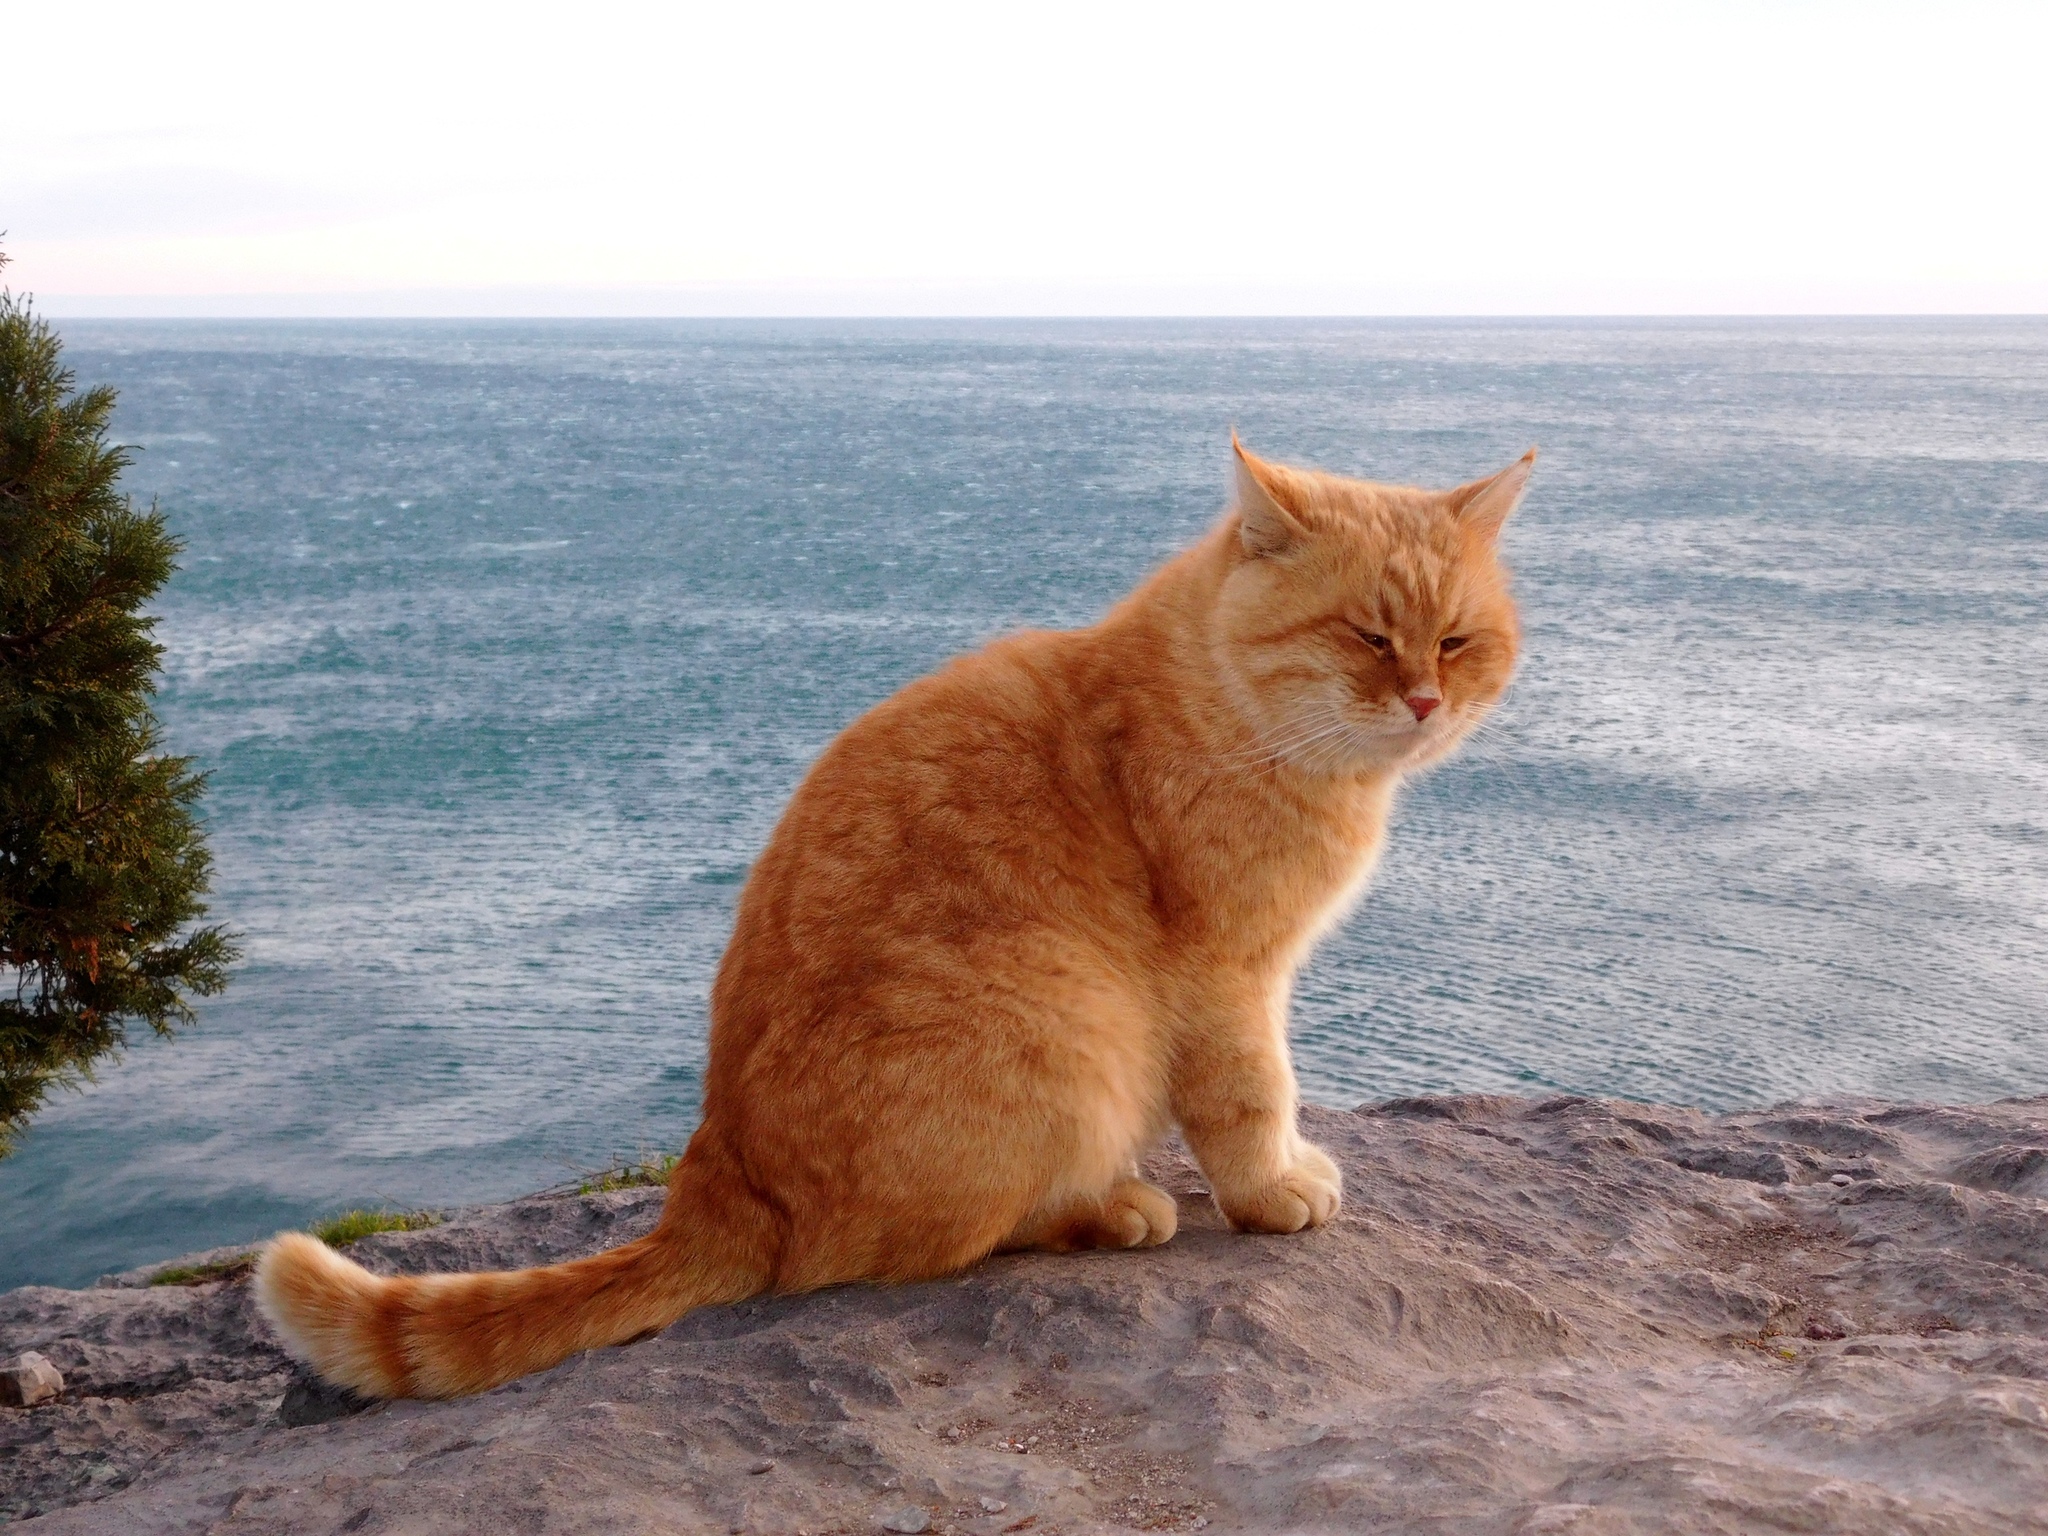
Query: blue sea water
pixel 505 642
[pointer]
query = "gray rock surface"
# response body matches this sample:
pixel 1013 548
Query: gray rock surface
pixel 1533 1316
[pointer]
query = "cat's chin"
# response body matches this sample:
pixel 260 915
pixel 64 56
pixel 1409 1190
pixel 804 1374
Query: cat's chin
pixel 1429 745
pixel 1385 752
pixel 1408 748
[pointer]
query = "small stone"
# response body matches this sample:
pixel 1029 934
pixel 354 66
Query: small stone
pixel 1838 1180
pixel 29 1379
pixel 756 1468
pixel 907 1521
pixel 991 1506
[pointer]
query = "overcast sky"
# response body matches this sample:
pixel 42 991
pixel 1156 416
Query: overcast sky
pixel 1430 156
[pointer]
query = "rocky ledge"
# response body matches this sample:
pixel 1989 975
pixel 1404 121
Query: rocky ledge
pixel 1551 1315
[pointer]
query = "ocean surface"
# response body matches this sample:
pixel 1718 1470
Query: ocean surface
pixel 504 644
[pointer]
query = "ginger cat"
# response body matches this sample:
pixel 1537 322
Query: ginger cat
pixel 1018 921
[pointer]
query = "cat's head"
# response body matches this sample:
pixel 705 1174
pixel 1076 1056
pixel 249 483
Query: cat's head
pixel 1364 626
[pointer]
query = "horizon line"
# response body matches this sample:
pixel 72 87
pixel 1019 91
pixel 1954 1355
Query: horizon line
pixel 64 310
pixel 903 300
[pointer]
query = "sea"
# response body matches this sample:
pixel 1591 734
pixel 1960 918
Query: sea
pixel 505 642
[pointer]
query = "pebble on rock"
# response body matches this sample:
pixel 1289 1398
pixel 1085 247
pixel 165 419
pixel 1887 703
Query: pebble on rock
pixel 908 1521
pixel 756 1468
pixel 1839 1180
pixel 29 1379
pixel 991 1506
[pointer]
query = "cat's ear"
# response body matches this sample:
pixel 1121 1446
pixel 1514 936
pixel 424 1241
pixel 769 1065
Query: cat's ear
pixel 1483 505
pixel 1266 525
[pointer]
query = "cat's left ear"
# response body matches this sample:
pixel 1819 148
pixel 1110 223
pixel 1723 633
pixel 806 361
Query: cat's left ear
pixel 1483 505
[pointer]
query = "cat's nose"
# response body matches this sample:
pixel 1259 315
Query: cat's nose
pixel 1422 704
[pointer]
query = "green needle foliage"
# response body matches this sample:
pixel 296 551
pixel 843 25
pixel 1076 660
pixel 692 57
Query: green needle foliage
pixel 101 863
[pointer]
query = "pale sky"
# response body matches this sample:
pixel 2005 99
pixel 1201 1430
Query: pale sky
pixel 1431 157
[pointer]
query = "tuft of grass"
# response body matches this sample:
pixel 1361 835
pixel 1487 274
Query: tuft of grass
pixel 205 1274
pixel 352 1226
pixel 634 1175
pixel 335 1232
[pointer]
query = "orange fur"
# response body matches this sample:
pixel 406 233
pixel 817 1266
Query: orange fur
pixel 1017 921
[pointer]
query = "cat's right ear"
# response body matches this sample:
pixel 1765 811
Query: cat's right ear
pixel 1264 526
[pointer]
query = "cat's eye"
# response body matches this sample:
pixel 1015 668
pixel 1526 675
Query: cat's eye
pixel 1450 643
pixel 1379 643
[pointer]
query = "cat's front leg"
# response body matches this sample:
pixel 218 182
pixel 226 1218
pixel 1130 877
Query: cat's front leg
pixel 1235 1098
pixel 1305 1193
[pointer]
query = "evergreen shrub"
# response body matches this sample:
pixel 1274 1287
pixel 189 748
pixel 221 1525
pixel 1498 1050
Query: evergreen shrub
pixel 102 864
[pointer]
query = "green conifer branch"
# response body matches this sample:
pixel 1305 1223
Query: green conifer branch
pixel 102 862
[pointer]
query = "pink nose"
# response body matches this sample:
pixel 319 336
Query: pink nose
pixel 1422 706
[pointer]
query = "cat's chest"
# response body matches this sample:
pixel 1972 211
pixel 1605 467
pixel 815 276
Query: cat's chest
pixel 1317 876
pixel 1285 876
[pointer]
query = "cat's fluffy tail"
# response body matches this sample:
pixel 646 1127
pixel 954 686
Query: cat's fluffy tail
pixel 446 1335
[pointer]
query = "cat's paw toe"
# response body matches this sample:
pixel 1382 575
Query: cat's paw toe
pixel 1306 1195
pixel 1140 1216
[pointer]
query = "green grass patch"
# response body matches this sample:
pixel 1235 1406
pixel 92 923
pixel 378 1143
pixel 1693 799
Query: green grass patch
pixel 335 1232
pixel 205 1274
pixel 352 1226
pixel 639 1174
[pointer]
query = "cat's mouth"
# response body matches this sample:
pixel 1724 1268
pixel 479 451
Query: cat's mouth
pixel 1386 738
pixel 1401 722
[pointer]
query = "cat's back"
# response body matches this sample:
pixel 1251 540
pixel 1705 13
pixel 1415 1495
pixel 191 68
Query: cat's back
pixel 1001 743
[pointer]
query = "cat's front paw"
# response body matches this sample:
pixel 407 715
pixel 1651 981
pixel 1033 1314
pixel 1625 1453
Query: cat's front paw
pixel 1137 1215
pixel 1306 1195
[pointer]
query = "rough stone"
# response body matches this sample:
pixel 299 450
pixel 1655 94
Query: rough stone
pixel 29 1379
pixel 1557 1314
pixel 309 1400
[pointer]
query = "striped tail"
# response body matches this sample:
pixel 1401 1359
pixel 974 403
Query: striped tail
pixel 447 1335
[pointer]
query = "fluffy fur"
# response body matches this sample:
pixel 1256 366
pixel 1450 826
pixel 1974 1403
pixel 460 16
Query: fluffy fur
pixel 1017 921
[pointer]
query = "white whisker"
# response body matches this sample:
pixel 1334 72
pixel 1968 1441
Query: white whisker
pixel 1290 737
pixel 1301 743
